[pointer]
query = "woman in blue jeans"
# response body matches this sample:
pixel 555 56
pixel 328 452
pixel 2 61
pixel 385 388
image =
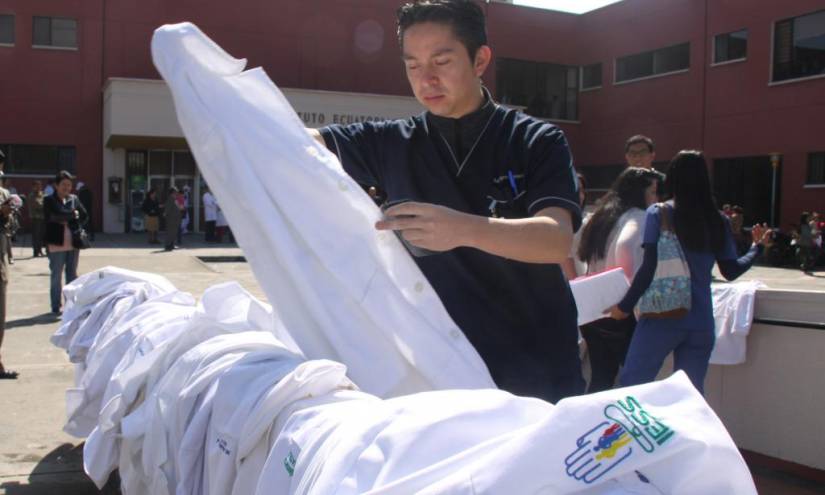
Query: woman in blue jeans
pixel 64 213
pixel 705 238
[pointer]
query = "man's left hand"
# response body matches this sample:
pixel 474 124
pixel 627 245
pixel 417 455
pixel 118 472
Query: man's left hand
pixel 425 225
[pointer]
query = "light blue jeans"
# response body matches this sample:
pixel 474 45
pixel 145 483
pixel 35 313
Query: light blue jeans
pixel 58 262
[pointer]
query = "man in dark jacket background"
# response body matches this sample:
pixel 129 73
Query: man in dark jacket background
pixel 172 211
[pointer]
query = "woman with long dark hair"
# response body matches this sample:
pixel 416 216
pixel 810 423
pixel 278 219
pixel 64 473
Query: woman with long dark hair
pixel 705 238
pixel 612 238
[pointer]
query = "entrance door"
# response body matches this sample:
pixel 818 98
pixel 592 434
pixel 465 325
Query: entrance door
pixel 749 183
pixel 136 190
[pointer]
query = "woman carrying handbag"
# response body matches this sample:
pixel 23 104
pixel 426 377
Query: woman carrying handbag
pixel 683 238
pixel 612 238
pixel 65 218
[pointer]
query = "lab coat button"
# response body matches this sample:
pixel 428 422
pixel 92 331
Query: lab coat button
pixel 342 185
pixel 455 333
pixel 419 287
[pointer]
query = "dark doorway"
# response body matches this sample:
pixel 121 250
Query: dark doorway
pixel 748 182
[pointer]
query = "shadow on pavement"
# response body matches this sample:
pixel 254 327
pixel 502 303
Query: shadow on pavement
pixel 60 472
pixel 40 319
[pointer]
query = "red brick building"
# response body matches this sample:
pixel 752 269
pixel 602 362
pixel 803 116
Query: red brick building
pixel 743 80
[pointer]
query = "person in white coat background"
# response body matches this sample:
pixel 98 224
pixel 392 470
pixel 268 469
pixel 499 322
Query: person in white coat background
pixel 210 214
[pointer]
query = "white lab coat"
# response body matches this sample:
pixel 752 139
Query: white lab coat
pixel 223 309
pixel 210 207
pixel 307 229
pixel 319 380
pixel 83 294
pixel 84 401
pixel 171 405
pixel 101 452
pixel 491 442
pixel 733 306
pixel 207 455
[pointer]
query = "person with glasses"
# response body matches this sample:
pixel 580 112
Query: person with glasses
pixel 640 152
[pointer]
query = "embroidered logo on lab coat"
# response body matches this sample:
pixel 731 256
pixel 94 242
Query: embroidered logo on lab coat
pixel 289 463
pixel 628 428
pixel 223 446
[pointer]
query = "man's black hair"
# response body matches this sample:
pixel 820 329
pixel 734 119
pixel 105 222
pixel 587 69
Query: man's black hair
pixel 638 139
pixel 464 16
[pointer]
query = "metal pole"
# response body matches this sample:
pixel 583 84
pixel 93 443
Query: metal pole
pixel 773 197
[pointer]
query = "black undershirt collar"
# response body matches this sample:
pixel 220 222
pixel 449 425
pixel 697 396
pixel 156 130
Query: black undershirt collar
pixel 461 134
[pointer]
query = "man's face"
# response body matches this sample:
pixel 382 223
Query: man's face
pixel 441 74
pixel 639 155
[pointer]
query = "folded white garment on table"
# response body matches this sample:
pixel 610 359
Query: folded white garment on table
pixel 655 438
pixel 733 306
pixel 346 291
pixel 171 409
pixel 123 389
pixel 598 292
pixel 319 380
pixel 223 309
pixel 84 401
pixel 106 313
pixel 89 287
pixel 209 459
pixel 206 456
pixel 360 445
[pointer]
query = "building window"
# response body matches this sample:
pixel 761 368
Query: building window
pixel 6 29
pixel 591 76
pixel 543 90
pixel 653 63
pixel 600 177
pixel 35 159
pixel 55 32
pixel 799 47
pixel 816 169
pixel 730 46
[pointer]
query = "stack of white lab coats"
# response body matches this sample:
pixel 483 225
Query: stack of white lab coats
pixel 216 399
pixel 94 305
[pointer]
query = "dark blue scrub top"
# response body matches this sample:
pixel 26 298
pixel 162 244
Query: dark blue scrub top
pixel 520 317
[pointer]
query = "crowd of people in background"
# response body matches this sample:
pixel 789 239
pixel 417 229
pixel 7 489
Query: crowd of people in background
pixel 807 239
pixel 623 231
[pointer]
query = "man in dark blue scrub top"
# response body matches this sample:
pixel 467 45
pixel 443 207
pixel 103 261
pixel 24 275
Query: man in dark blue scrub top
pixel 485 195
